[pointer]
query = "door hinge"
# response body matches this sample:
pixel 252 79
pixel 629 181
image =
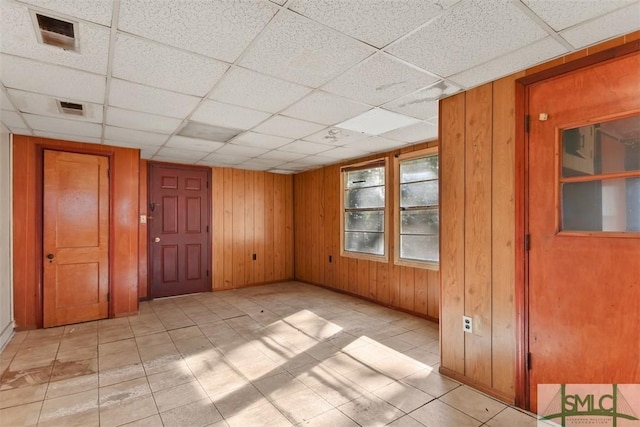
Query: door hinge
pixel 527 242
pixel 527 123
pixel 528 361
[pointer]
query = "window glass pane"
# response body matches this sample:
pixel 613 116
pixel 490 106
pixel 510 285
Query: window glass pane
pixel 370 243
pixel 364 178
pixel 363 198
pixel 422 221
pixel 421 169
pixel 422 248
pixel 419 194
pixel 603 205
pixel 608 147
pixel 364 221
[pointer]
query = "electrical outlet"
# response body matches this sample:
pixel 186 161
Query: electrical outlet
pixel 143 219
pixel 467 324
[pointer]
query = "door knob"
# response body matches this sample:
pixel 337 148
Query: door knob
pixel 50 256
pixel 157 239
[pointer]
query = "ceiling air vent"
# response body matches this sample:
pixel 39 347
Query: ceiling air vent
pixel 70 108
pixel 56 32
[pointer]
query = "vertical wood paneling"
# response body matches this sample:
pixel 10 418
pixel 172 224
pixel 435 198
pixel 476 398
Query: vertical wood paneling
pixel 478 155
pixel 502 239
pixel 227 230
pixel 217 227
pixel 279 225
pixel 239 255
pixel 259 228
pixel 249 225
pixel 287 184
pixel 433 309
pixel 421 289
pixel 143 262
pixel 407 288
pixel 269 273
pixel 452 177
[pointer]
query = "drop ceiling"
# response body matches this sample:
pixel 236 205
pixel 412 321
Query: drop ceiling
pixel 283 85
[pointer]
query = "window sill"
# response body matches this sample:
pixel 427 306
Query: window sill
pixel 424 265
pixel 364 257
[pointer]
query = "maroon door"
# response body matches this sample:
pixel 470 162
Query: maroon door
pixel 179 221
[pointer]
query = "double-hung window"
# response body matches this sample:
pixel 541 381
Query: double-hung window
pixel 364 210
pixel 417 209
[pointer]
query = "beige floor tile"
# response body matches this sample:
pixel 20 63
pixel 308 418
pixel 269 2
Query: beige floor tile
pixel 127 345
pixel 127 411
pixel 13 379
pixel 172 378
pixel 512 417
pixel 23 415
pixel 199 413
pixel 114 395
pixel 72 385
pixel 406 421
pixel 121 374
pixel 279 386
pixel 70 369
pixel 332 418
pixel 185 333
pixel 80 409
pixel 431 382
pixel 473 403
pixel 438 414
pixel 152 421
pixel 302 406
pixel 118 359
pixel 370 410
pixel 265 414
pixel 238 400
pixel 153 339
pixel 22 395
pixel 111 335
pixel 77 354
pixel 180 395
pixel 403 396
pixel 368 378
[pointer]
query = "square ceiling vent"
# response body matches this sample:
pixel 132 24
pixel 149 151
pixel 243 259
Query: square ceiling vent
pixel 70 108
pixel 208 132
pixel 56 32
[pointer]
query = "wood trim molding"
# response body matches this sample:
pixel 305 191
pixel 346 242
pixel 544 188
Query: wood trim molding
pixel 478 386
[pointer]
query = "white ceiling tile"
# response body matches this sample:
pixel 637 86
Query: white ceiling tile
pixel 257 91
pixel 35 103
pixel 51 79
pixel 19 39
pixel 12 119
pixel 414 133
pixel 282 156
pixel 315 160
pixel 563 14
pixel 157 158
pixel 133 136
pixel 98 11
pixel 146 153
pixel 143 147
pixel 377 121
pixel 622 21
pixel 288 127
pixel 218 159
pixel 375 22
pixel 179 153
pixel 268 163
pixel 292 167
pixel 253 166
pixel 305 147
pixel 20 131
pixel 71 127
pixel 226 115
pixel 375 144
pixel 325 108
pixel 141 121
pixel 379 79
pixel 193 144
pixel 67 137
pixel 152 100
pixel 468 35
pixel 284 171
pixel 521 59
pixel 218 28
pixel 5 102
pixel 254 139
pixel 343 153
pixel 336 136
pixel 150 63
pixel 422 104
pixel 300 50
pixel 280 2
pixel 238 150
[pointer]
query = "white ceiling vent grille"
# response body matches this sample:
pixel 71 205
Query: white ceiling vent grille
pixel 56 32
pixel 71 108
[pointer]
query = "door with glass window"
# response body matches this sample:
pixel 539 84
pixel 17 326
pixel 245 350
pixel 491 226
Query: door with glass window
pixel 584 224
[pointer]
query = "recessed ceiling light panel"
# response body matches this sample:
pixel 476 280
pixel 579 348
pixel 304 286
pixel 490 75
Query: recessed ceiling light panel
pixel 377 121
pixel 208 132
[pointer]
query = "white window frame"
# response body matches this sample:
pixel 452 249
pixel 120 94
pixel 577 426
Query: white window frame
pixel 427 152
pixel 363 255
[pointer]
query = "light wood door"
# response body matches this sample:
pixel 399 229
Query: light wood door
pixel 583 219
pixel 179 236
pixel 75 238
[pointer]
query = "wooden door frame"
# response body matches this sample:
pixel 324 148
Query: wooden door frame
pixel 150 166
pixel 522 398
pixel 40 149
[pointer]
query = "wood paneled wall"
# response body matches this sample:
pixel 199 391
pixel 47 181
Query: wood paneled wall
pixel 252 214
pixel 27 213
pixel 317 240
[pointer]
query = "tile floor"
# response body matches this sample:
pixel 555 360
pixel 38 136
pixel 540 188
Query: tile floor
pixel 277 355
